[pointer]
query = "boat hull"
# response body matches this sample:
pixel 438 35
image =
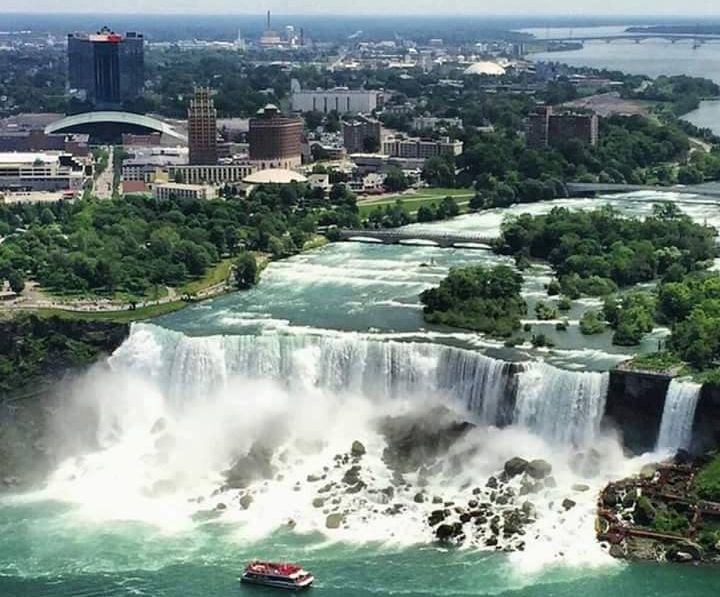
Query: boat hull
pixel 279 584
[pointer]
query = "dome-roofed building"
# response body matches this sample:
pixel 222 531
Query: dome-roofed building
pixel 274 176
pixel 485 67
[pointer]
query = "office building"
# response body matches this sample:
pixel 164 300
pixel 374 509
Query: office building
pixel 362 135
pixel 106 69
pixel 148 164
pixel 216 174
pixel 547 128
pixel 401 146
pixel 47 171
pixel 174 190
pixel 202 128
pixel 340 99
pixel 275 139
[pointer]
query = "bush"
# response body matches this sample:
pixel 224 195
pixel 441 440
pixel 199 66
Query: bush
pixel 707 482
pixel 591 323
pixel 545 312
pixel 564 304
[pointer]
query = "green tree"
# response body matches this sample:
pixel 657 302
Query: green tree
pixel 245 270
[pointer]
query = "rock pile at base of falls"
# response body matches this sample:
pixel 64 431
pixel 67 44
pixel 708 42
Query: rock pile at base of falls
pixel 419 471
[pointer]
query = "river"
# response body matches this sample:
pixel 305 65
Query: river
pixel 326 348
pixel 653 57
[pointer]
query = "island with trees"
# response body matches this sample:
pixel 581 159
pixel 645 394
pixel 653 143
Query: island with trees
pixel 477 298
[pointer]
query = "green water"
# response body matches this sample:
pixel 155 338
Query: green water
pixel 53 548
pixel 44 551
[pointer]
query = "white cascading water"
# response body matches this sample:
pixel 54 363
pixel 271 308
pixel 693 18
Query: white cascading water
pixel 678 415
pixel 560 406
pixel 173 413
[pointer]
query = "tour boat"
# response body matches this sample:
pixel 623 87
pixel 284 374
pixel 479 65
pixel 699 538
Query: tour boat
pixel 280 575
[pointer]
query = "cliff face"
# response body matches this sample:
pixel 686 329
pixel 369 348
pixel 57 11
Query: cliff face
pixel 38 356
pixel 706 434
pixel 635 405
pixel 36 349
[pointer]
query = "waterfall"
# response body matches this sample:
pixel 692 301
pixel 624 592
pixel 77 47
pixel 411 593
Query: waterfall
pixel 678 415
pixel 482 384
pixel 560 406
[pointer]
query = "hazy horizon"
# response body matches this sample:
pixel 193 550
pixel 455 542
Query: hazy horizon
pixel 492 8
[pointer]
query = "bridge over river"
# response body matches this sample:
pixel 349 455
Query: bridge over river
pixel 637 38
pixel 702 190
pixel 409 237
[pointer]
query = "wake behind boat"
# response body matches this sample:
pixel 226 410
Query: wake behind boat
pixel 280 575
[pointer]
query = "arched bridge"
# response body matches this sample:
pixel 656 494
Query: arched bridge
pixel 88 120
pixel 399 235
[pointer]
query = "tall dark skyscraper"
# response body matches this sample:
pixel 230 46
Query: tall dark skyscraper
pixel 202 128
pixel 106 68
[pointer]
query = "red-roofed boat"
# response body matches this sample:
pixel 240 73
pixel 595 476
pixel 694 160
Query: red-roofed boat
pixel 281 575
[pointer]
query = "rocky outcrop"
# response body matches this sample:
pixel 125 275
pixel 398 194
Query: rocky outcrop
pixel 634 406
pixel 39 358
pixel 256 464
pixel 417 440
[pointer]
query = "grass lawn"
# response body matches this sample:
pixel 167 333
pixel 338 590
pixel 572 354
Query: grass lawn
pixel 115 316
pixel 411 202
pixel 217 274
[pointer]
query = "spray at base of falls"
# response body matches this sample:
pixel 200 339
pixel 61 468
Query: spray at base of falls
pixel 174 413
pixel 678 415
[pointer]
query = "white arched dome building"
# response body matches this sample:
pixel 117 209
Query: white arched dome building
pixel 485 67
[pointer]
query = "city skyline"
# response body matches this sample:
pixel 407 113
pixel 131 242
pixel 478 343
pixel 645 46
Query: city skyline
pixel 413 7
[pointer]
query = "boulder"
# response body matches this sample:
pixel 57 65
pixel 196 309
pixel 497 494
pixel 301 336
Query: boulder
pixel 334 520
pixel 538 468
pixel 629 499
pixel 357 488
pixel 313 478
pixel 580 487
pixel 357 449
pixel 437 516
pixel 318 502
pixel 255 465
pixel 648 471
pixel 418 439
pixel 609 497
pixel 446 532
pixel 245 501
pixel 568 503
pixel 352 475
pixel 515 466
pixel 617 551
pixel 492 483
pixel 419 498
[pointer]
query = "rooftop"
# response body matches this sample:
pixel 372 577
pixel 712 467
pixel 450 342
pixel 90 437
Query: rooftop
pixel 275 176
pixel 13 157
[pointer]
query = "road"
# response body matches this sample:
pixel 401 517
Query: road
pixel 104 183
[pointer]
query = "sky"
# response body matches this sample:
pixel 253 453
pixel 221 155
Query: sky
pixel 333 7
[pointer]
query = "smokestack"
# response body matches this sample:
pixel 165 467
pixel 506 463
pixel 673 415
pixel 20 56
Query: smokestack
pixel 302 36
pixel 268 20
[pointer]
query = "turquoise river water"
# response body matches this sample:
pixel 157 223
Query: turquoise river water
pixel 328 344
